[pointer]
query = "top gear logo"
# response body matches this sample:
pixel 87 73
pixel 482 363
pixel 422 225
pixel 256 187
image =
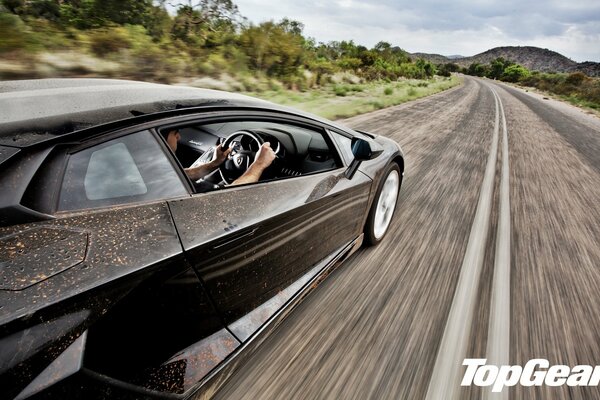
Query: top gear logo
pixel 536 372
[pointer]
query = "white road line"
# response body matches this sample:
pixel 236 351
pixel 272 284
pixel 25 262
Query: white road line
pixel 447 371
pixel 498 345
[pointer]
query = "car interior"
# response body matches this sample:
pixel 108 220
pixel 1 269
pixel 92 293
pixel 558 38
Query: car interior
pixel 299 150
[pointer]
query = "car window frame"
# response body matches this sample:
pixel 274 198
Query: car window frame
pixel 178 119
pixel 254 115
pixel 104 138
pixel 333 131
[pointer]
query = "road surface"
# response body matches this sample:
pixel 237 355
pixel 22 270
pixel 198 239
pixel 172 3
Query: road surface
pixel 494 253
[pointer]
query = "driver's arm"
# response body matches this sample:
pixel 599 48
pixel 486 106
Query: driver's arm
pixel 204 169
pixel 264 158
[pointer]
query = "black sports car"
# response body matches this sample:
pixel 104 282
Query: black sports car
pixel 122 278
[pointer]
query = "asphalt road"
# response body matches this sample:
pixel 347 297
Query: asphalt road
pixel 494 252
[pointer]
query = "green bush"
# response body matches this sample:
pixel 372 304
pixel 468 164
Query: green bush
pixel 377 105
pixel 388 91
pixel 515 73
pixel 13 33
pixel 576 87
pixel 109 40
pixel 340 90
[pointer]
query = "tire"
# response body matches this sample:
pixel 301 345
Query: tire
pixel 384 205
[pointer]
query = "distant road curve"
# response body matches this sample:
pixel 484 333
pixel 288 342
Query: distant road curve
pixel 375 329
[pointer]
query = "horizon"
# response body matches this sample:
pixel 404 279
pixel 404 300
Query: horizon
pixel 459 56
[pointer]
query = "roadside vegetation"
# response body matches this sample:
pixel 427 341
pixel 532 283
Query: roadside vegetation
pixel 346 100
pixel 141 39
pixel 576 88
pixel 205 43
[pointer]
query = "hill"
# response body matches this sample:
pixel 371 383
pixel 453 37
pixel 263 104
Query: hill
pixel 433 58
pixel 533 58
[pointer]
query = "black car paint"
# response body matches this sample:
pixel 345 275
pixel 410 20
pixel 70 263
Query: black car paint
pixel 278 230
pixel 248 261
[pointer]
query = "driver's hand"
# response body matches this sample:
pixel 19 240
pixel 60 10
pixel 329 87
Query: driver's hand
pixel 264 156
pixel 220 155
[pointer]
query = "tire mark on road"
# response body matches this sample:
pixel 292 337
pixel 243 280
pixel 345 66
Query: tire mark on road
pixel 444 383
pixel 498 346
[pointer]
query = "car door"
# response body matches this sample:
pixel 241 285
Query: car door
pixel 254 246
pixel 113 233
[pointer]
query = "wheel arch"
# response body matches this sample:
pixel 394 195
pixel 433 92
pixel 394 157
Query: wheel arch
pixel 400 161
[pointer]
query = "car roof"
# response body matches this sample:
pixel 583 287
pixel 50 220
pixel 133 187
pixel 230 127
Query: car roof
pixel 36 110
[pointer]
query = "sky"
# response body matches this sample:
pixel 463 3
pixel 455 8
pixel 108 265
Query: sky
pixel 453 27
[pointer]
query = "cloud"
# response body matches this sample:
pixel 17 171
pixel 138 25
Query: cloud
pixel 464 27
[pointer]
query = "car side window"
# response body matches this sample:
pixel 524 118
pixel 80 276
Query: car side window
pixel 345 145
pixel 128 169
pixel 299 149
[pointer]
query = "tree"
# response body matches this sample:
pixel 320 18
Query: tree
pixel 122 12
pixel 448 68
pixel 14 6
pixel 292 26
pixel 514 73
pixel 477 69
pixel 158 22
pixel 86 14
pixel 196 18
pixel 273 49
pixel 497 68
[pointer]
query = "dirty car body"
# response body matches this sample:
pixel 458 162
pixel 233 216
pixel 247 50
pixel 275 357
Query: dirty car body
pixel 122 278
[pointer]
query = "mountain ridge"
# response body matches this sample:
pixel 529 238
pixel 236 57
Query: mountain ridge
pixel 533 58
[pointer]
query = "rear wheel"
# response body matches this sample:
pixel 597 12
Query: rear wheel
pixel 384 205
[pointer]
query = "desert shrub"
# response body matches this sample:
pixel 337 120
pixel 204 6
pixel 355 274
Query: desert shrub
pixel 565 89
pixel 340 90
pixel 275 85
pixel 576 78
pixel 591 91
pixel 349 63
pixel 532 80
pixel 377 105
pixel 109 40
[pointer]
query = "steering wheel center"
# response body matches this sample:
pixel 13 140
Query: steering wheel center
pixel 243 145
pixel 241 161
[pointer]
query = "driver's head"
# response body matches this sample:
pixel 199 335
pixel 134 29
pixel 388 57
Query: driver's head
pixel 172 137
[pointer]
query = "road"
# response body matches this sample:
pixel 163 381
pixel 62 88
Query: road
pixel 397 320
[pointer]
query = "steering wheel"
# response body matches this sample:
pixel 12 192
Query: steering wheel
pixel 244 145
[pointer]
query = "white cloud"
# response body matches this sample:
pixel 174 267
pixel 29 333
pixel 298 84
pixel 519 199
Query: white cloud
pixel 465 27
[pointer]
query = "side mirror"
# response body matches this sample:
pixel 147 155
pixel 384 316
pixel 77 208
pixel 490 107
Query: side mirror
pixel 361 149
pixel 362 152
